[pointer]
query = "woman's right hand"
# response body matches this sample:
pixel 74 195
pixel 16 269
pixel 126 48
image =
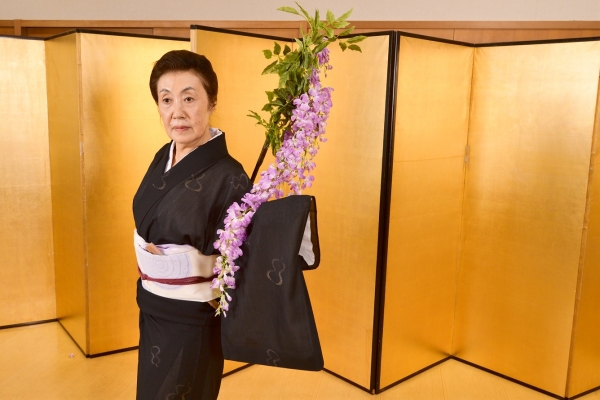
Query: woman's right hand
pixel 151 248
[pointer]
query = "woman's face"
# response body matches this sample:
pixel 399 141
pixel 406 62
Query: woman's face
pixel 184 108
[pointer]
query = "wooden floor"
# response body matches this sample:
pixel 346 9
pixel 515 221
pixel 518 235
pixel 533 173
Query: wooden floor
pixel 36 363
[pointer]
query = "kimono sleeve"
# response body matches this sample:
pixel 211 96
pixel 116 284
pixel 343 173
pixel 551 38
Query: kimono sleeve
pixel 232 187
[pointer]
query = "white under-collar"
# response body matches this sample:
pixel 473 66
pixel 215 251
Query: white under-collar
pixel 214 132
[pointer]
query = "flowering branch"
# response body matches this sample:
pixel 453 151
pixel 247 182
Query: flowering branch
pixel 295 67
pixel 299 110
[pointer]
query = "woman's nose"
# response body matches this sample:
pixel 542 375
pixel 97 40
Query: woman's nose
pixel 178 110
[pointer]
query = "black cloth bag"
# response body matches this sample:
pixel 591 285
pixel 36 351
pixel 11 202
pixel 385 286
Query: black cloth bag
pixel 270 321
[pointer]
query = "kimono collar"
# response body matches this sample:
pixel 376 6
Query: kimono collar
pixel 159 182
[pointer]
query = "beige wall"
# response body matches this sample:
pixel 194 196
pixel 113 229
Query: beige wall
pixel 384 10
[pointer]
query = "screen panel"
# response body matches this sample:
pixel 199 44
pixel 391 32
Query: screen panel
pixel 67 186
pixel 584 373
pixel 238 62
pixel 27 291
pixel 347 187
pixel 530 135
pixel 121 132
pixel 350 159
pixel 432 117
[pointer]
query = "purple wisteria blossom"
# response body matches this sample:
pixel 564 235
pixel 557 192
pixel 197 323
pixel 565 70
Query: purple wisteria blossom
pixel 323 56
pixel 293 166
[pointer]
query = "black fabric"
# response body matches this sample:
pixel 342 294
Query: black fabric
pixel 270 321
pixel 187 204
pixel 176 359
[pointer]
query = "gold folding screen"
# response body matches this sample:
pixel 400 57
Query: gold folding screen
pixel 104 131
pixel 26 260
pixel 530 136
pixel 432 120
pixel 493 249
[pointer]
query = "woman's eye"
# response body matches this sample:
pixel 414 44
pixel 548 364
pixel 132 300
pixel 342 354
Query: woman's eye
pixel 166 100
pixel 188 99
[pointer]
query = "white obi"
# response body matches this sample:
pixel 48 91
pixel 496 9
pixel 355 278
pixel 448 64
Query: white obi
pixel 176 262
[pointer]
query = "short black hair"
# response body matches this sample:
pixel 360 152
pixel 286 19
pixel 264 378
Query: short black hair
pixel 184 60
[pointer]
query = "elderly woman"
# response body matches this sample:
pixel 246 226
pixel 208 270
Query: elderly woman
pixel 179 206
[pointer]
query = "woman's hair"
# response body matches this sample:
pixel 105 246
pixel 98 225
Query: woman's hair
pixel 183 60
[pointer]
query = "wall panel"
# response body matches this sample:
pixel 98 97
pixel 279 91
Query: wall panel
pixel 347 187
pixel 62 71
pixel 530 137
pixel 121 132
pixel 26 254
pixel 350 159
pixel 240 90
pixel 432 117
pixel 104 131
pixel 584 371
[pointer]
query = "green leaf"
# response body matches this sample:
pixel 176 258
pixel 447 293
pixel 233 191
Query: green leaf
pixel 277 49
pixel 267 107
pixel 308 18
pixel 283 78
pixel 340 24
pixel 257 117
pixel 269 68
pixel 355 48
pixel 356 39
pixel 343 46
pixel 330 17
pixel 270 96
pixel 280 93
pixel 330 32
pixel 346 32
pixel 286 50
pixel 290 10
pixel 343 17
pixel 320 47
pixel 267 54
pixel 292 57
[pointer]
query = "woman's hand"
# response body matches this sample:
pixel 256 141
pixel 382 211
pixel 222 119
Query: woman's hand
pixel 151 248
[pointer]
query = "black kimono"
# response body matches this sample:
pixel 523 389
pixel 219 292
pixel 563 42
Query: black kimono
pixel 180 347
